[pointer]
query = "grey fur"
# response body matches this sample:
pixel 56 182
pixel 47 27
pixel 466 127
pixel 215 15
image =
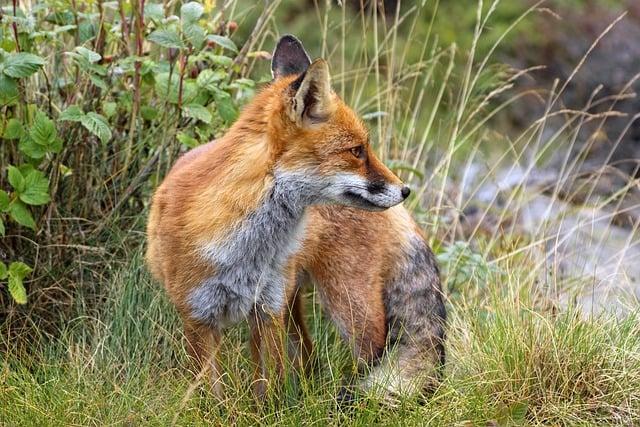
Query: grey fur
pixel 250 264
pixel 416 319
pixel 413 299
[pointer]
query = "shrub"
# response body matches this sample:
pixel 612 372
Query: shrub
pixel 96 98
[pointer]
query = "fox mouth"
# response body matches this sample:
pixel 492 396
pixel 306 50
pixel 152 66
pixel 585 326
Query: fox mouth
pixel 362 202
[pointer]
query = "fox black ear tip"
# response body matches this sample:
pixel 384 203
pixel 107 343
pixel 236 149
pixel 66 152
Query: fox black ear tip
pixel 289 57
pixel 289 39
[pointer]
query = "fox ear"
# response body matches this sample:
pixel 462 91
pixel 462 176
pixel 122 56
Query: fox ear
pixel 313 99
pixel 289 57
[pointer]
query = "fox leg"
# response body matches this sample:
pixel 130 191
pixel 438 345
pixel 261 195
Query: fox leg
pixel 267 349
pixel 356 307
pixel 203 343
pixel 299 339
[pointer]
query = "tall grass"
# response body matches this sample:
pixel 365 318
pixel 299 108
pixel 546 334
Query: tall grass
pixel 517 352
pixel 508 363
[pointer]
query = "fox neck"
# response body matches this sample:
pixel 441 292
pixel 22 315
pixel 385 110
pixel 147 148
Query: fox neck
pixel 270 233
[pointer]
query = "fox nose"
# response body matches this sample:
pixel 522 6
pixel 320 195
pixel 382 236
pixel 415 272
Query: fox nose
pixel 405 191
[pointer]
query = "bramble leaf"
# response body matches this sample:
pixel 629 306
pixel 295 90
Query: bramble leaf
pixel 8 90
pixel 4 201
pixel 166 38
pixel 22 64
pixel 43 131
pixel 154 11
pixel 197 112
pixel 226 109
pixel 97 125
pixel 13 130
pixel 20 214
pixel 31 149
pixel 16 179
pixel 187 140
pixel 17 272
pixel 37 189
pixel 71 114
pixel 223 41
pixel 191 12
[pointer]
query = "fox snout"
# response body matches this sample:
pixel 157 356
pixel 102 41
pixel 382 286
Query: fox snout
pixel 380 186
pixel 356 191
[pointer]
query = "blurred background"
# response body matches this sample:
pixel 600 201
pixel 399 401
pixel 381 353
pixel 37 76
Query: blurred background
pixel 514 121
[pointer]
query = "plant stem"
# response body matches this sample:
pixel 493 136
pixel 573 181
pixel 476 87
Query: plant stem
pixel 14 25
pixel 138 11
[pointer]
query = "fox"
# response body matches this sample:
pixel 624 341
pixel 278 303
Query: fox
pixel 294 192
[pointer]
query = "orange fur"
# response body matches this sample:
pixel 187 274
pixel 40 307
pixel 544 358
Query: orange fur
pixel 349 254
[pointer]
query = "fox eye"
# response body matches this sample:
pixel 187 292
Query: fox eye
pixel 357 152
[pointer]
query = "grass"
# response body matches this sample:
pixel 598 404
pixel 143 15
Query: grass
pixel 508 363
pixel 514 358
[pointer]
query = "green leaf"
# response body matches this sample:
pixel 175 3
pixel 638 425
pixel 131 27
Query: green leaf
pixel 207 78
pixel 225 42
pixel 43 131
pixel 87 30
pixel 2 231
pixel 226 109
pixel 109 108
pixel 3 269
pixel 20 214
pixel 37 189
pixel 197 112
pixel 187 140
pixel 31 149
pixel 87 61
pixel 154 11
pixel 17 290
pixel 195 34
pixel 191 12
pixel 13 130
pixel 96 69
pixel 56 146
pixel 168 89
pixel 97 125
pixel 148 112
pixel 19 269
pixel 166 38
pixel 8 90
pixel 71 114
pixel 4 201
pixel 17 272
pixel 88 54
pixel 22 64
pixel 64 17
pixel 99 82
pixel 16 179
pixel 221 60
pixel 64 29
pixel 243 83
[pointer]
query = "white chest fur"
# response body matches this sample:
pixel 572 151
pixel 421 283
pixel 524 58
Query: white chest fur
pixel 250 265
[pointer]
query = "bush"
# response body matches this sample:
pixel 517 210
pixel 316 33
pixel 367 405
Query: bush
pixel 96 99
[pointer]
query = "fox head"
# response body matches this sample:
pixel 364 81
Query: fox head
pixel 320 137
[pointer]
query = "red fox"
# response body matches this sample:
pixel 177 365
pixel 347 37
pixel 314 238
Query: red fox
pixel 292 189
